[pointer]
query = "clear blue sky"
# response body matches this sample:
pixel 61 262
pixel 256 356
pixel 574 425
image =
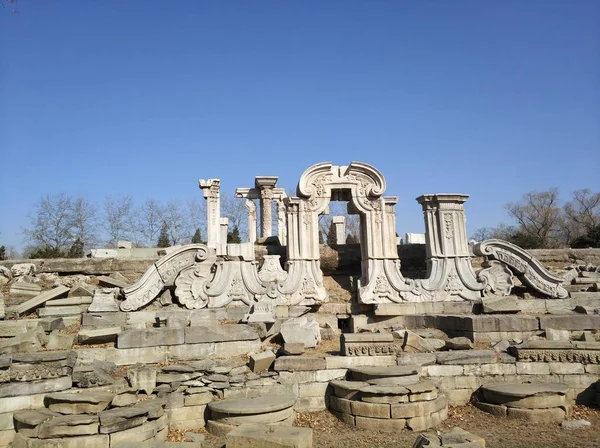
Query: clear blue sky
pixel 106 97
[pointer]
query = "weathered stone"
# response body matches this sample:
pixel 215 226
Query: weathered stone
pixel 258 419
pixel 25 289
pixel 345 362
pixel 219 333
pixel 374 410
pixel 111 282
pixel 259 405
pixel 79 403
pixel 466 357
pixel 31 341
pixel 370 372
pixel 54 311
pixel 103 319
pixel 94 441
pixel 575 424
pixel 384 394
pixel 301 330
pixel 252 436
pixel 493 305
pixel 557 335
pixel 125 398
pixel 38 300
pixel 418 409
pixel 187 418
pixel 413 343
pixel 150 337
pixel 394 380
pixel 379 424
pixel 347 389
pixel 570 322
pixel 260 362
pixel 372 344
pixel 293 348
pixel 138 434
pixel 459 343
pixel 60 341
pixel 27 421
pixel 35 387
pixel 295 363
pixel 198 399
pixel 142 377
pixel 81 290
pixel 70 301
pixel 69 426
pixel 552 415
pixel 104 300
pixel 121 419
pixel 495 409
pixel 99 335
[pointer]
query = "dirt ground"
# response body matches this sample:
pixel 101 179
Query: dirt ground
pixel 329 432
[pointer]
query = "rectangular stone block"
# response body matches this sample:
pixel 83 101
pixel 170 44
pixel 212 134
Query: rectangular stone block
pixel 340 404
pixel 458 397
pixel 373 410
pixel 294 363
pixel 532 368
pixel 565 368
pixel 103 319
pixel 220 333
pixel 200 399
pixel 418 359
pixel 328 375
pixel 216 349
pixel 150 337
pixel 19 403
pixel 345 362
pixel 54 311
pixel 7 436
pixel 378 424
pixel 70 301
pixel 312 389
pixel 571 322
pixel 188 417
pixel 128 356
pixel 305 376
pixel 437 370
pixel 138 434
pixel 491 369
pixel 35 387
pixel 6 421
pixel 466 357
pixel 253 436
pixel 60 291
pixel 95 441
pixel 98 335
pixel 311 404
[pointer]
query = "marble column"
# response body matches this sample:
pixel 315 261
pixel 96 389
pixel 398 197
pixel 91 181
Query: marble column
pixel 265 186
pixel 224 224
pixel 339 223
pixel 251 207
pixel 211 192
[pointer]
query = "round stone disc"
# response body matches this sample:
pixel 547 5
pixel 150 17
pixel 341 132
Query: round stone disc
pixel 528 389
pixel 258 405
pixel 371 372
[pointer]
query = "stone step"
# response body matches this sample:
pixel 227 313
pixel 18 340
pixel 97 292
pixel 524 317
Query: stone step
pixel 373 372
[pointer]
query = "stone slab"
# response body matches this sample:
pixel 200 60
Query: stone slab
pixel 371 372
pixel 70 301
pixel 35 387
pixel 60 291
pixel 94 441
pixel 243 406
pixel 220 333
pixel 55 311
pixel 150 337
pixel 295 363
pixel 98 335
pixel 254 436
pixel 79 403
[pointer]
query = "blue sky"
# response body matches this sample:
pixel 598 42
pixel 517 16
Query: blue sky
pixel 492 99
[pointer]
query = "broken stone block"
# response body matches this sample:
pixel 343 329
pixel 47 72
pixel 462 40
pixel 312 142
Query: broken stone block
pixel 104 300
pixel 301 329
pixel 60 291
pixel 120 419
pixel 82 290
pixel 68 426
pixel 98 336
pixel 79 403
pixel 166 298
pixel 60 341
pixel 25 289
pixel 459 343
pixel 413 343
pixel 110 282
pixel 293 348
pixel 28 342
pixel 150 337
pixel 142 377
pixel 260 362
pixel 20 269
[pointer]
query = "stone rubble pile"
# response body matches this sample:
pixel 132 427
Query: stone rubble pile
pixel 387 399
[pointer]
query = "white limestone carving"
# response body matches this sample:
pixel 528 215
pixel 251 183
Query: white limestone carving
pixel 163 273
pixel 211 192
pixel 528 269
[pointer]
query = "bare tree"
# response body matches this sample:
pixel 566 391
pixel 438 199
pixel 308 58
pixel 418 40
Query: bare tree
pixel 149 221
pixel 235 209
pixel 538 216
pixel 196 211
pixel 50 224
pixel 119 218
pixel 84 222
pixel 583 210
pixel 178 224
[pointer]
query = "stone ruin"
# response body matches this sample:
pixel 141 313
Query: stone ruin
pixel 226 336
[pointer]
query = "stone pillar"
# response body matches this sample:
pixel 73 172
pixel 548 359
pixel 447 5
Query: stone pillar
pixel 224 224
pixel 265 186
pixel 281 224
pixel 251 207
pixel 339 223
pixel 211 192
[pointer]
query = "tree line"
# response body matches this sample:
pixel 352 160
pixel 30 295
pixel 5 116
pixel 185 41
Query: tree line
pixel 540 221
pixel 61 225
